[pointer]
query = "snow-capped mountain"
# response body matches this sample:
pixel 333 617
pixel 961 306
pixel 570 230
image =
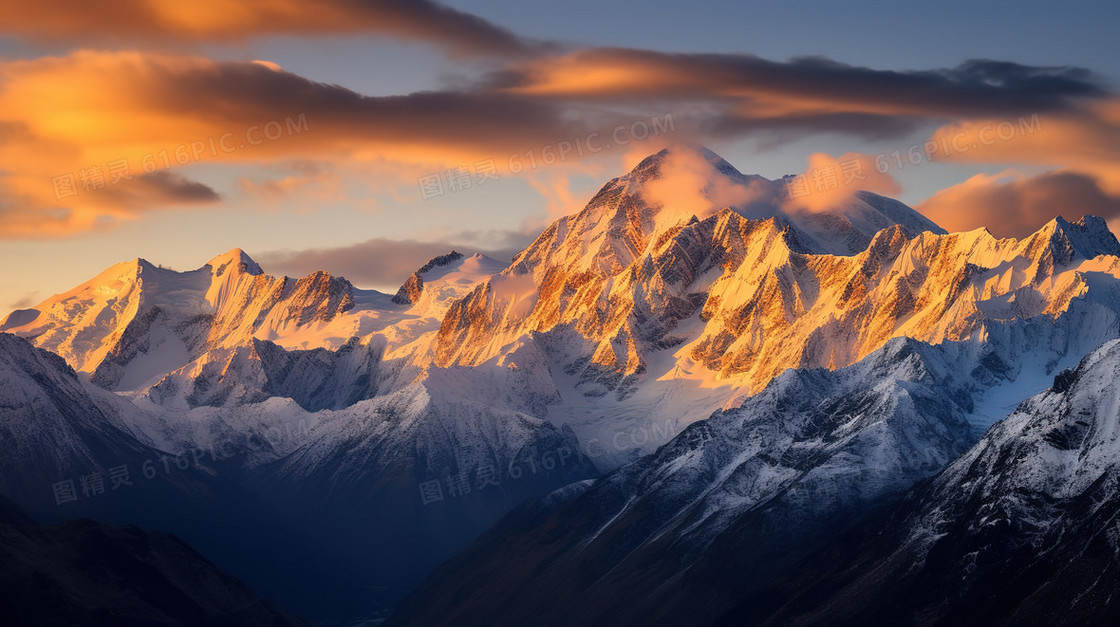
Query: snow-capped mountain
pixel 768 512
pixel 407 479
pixel 747 368
pixel 135 325
pixel 643 315
pixel 68 444
pixel 628 267
pixel 652 318
pixel 627 321
pixel 235 481
pixel 1020 529
pixel 445 278
pixel 775 476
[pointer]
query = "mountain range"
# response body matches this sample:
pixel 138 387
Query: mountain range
pixel 688 402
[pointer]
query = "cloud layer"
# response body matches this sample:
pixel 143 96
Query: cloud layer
pixel 830 182
pixel 1011 204
pixel 224 20
pixel 813 92
pixel 66 122
pixel 92 137
pixel 385 263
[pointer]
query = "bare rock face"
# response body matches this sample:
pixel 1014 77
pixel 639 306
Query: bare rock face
pixel 409 292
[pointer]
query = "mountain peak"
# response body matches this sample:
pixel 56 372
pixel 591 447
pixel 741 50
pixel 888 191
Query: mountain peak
pixel 1086 238
pixel 688 180
pixel 651 167
pixel 434 286
pixel 235 258
pixel 453 267
pixel 409 292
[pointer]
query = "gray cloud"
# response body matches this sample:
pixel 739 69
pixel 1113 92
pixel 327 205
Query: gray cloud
pixel 979 87
pixel 169 187
pixel 809 96
pixel 29 299
pixel 748 93
pixel 386 263
pixel 528 107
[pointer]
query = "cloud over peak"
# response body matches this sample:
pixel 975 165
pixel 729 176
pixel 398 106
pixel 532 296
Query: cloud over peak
pixel 1011 204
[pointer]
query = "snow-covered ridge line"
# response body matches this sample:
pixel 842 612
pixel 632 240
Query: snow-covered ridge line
pixel 741 293
pixel 631 313
pixel 136 323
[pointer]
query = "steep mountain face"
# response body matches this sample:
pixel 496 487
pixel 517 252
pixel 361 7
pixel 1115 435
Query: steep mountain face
pixel 1021 529
pixel 413 286
pixel 136 326
pixel 87 573
pixel 55 429
pixel 317 378
pixel 320 378
pixel 780 512
pixel 741 300
pixel 634 302
pixel 129 311
pixel 630 266
pixel 767 482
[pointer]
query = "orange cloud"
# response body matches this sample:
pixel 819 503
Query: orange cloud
pixel 224 20
pixel 69 125
pixel 830 182
pixel 1086 140
pixel 78 133
pixel 690 185
pixel 319 181
pixel 1011 204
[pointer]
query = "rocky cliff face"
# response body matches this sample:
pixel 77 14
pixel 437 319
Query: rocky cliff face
pixel 413 286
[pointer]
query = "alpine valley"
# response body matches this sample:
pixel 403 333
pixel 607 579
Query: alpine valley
pixel 712 407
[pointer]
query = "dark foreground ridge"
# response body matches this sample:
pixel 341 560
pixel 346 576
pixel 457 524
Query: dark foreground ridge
pixel 85 573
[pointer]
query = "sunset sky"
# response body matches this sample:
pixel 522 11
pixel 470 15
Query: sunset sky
pixel 365 137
